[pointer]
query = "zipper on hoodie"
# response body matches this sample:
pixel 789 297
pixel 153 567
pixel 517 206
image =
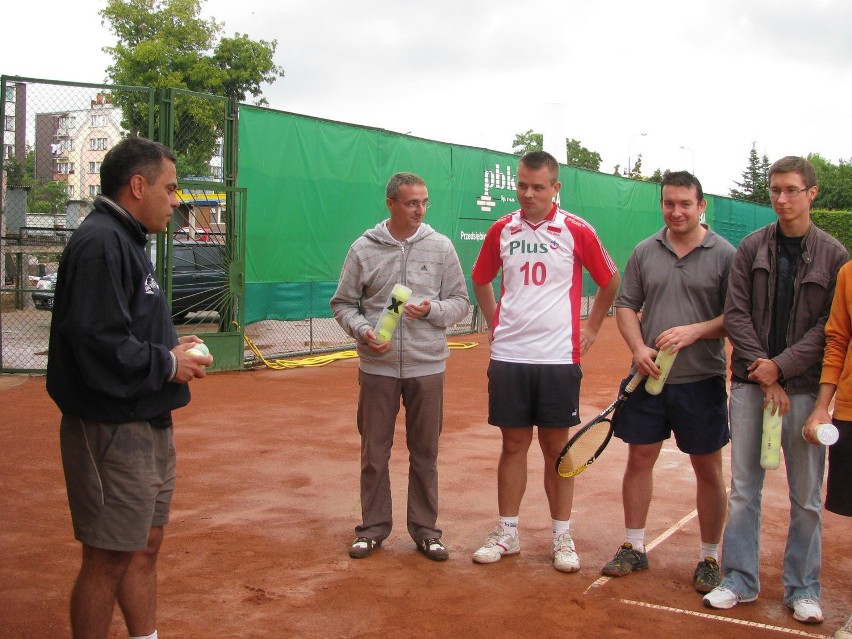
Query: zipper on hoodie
pixel 404 282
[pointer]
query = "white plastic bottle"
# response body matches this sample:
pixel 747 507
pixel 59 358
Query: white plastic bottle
pixel 770 445
pixel 821 434
pixel 664 361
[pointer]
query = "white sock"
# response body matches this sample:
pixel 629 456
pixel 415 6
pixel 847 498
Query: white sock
pixel 560 527
pixel 153 635
pixel 709 550
pixel 636 537
pixel 510 525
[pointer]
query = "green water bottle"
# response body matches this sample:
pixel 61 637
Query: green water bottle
pixel 770 445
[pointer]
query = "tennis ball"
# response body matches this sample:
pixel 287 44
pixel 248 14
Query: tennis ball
pixel 402 293
pixel 388 323
pixel 384 335
pixel 198 350
pixel 202 348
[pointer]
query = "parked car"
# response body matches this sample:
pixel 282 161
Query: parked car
pixel 43 295
pixel 199 280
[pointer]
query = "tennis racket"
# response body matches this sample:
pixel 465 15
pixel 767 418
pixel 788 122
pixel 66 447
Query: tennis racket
pixel 586 445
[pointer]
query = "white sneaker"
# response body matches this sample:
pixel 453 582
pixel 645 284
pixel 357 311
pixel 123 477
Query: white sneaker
pixel 844 631
pixel 564 555
pixel 723 598
pixel 497 544
pixel 806 610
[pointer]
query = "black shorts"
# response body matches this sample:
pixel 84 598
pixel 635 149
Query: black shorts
pixel 838 496
pixel 696 412
pixel 525 395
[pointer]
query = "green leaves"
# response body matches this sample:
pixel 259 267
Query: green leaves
pixel 167 44
pixel 755 179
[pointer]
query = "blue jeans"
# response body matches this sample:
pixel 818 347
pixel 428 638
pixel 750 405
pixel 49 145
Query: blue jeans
pixel 805 464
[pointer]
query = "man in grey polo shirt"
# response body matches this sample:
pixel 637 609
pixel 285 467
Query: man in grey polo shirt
pixel 677 278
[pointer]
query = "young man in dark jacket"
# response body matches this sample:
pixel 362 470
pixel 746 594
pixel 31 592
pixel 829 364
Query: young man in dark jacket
pixel 779 297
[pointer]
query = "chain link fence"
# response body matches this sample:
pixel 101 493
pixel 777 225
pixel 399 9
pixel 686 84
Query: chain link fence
pixel 55 136
pixel 278 339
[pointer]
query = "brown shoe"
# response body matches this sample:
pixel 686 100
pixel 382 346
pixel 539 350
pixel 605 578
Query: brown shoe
pixel 433 549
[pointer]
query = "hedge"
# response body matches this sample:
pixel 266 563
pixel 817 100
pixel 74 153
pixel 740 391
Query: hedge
pixel 838 223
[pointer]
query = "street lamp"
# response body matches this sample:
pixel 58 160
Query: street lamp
pixel 686 148
pixel 630 152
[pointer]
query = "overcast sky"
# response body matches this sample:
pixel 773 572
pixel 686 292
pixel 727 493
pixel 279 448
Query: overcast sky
pixel 709 75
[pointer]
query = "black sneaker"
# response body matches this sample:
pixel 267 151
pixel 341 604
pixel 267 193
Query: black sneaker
pixel 363 547
pixel 626 560
pixel 707 575
pixel 433 549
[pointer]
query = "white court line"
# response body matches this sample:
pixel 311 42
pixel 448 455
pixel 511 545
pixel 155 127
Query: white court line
pixel 739 622
pixel 648 547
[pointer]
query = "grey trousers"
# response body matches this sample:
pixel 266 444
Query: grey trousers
pixel 378 406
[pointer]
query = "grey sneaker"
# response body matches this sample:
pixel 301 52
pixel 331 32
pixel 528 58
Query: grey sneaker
pixel 626 560
pixel 497 544
pixel 706 576
pixel 564 555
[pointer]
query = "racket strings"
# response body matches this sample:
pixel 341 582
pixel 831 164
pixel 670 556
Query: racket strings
pixel 585 448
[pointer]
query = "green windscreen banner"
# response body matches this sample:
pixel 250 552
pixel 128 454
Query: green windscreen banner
pixel 314 186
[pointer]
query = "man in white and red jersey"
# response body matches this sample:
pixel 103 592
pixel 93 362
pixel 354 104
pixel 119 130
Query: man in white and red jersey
pixel 536 344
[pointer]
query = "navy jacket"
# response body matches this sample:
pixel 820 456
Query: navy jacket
pixel 111 331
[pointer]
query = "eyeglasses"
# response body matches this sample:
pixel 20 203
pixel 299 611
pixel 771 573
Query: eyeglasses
pixel 790 193
pixel 414 204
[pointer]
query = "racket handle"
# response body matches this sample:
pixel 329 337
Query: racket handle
pixel 392 313
pixel 634 382
pixel 664 361
pixel 770 444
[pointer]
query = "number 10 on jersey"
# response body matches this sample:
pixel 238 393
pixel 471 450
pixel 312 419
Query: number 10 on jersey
pixel 534 273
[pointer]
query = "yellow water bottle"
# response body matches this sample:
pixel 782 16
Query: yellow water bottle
pixel 770 445
pixel 664 361
pixel 392 313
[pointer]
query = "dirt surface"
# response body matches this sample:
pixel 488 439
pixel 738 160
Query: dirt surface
pixel 267 500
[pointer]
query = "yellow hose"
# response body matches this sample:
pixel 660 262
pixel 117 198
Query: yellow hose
pixel 322 360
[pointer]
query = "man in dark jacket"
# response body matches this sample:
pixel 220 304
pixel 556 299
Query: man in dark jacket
pixel 779 297
pixel 117 369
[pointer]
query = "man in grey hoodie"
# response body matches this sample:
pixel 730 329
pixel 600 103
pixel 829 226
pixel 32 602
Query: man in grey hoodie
pixel 401 250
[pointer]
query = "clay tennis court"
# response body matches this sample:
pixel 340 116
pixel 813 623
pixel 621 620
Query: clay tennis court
pixel 267 499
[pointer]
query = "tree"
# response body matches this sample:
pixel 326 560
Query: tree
pixel 527 142
pixel 755 184
pixel 45 196
pixel 636 171
pixel 581 157
pixel 835 183
pixel 165 44
pixel 48 197
pixel 16 173
pixel 578 155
